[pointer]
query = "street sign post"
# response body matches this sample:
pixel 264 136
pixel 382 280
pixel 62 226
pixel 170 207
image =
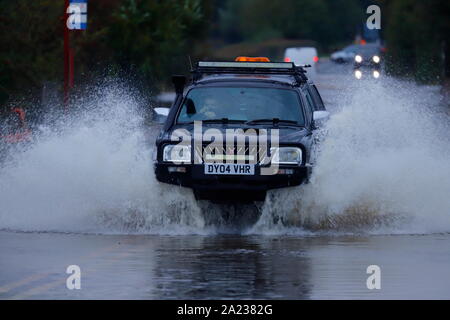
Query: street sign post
pixel 75 18
pixel 77 11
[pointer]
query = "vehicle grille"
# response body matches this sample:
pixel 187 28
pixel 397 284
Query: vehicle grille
pixel 249 154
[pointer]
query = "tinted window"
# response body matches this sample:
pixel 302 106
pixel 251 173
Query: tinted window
pixel 351 48
pixel 309 103
pixel 368 51
pixel 241 103
pixel 316 97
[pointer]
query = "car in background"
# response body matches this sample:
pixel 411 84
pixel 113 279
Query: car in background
pixel 367 61
pixel 301 56
pixel 345 55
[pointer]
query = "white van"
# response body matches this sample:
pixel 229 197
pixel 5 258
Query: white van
pixel 302 56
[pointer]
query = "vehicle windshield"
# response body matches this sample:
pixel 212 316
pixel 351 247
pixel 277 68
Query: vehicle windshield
pixel 241 104
pixel 351 48
pixel 369 51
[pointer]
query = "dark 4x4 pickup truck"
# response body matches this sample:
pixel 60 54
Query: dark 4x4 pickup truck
pixel 239 129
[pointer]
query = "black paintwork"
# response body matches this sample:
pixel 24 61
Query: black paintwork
pixel 239 187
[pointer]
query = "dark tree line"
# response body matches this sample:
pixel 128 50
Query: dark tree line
pixel 328 22
pixel 142 38
pixel 150 39
pixel 418 37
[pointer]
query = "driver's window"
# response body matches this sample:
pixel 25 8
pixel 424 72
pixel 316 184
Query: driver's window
pixel 309 106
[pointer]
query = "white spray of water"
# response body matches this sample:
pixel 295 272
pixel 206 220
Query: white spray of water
pixel 384 167
pixel 93 173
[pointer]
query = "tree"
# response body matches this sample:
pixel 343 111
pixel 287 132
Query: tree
pixel 149 38
pixel 153 36
pixel 328 22
pixel 417 36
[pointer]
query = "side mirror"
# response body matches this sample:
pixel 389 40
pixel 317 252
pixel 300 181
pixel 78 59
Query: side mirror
pixel 179 82
pixel 319 117
pixel 160 115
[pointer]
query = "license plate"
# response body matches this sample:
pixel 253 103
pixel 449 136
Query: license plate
pixel 225 168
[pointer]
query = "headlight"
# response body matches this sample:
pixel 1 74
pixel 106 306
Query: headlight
pixel 177 153
pixel 286 155
pixel 358 74
pixel 358 58
pixel 376 59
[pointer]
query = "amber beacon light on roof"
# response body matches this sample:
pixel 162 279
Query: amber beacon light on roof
pixel 252 59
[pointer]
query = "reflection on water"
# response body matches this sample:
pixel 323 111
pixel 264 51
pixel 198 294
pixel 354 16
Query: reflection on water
pixel 225 266
pixel 302 268
pixel 232 267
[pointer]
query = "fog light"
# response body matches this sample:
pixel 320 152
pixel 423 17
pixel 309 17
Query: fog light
pixel 358 74
pixel 176 169
pixel 376 74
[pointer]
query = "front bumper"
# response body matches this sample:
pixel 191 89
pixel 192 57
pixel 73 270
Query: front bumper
pixel 235 187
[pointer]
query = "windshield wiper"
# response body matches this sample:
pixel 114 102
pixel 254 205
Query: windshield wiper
pixel 223 120
pixel 273 120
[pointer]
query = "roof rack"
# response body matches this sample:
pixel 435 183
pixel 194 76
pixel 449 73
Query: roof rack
pixel 275 68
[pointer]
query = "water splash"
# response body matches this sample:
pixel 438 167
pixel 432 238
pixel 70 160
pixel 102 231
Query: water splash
pixel 384 167
pixel 92 172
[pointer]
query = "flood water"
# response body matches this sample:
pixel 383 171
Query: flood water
pixel 224 266
pixel 84 194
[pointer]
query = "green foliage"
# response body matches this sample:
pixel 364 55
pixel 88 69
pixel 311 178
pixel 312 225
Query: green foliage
pixel 146 38
pixel 151 39
pixel 416 32
pixel 149 34
pixel 30 45
pixel 328 22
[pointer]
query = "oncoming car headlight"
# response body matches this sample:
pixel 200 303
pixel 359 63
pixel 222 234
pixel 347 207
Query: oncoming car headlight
pixel 177 153
pixel 358 58
pixel 376 59
pixel 286 155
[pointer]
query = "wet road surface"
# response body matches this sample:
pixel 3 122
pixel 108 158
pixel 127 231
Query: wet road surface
pixel 234 266
pixel 223 266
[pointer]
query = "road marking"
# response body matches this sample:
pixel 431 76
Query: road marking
pixel 60 282
pixel 22 282
pixel 46 287
pixel 34 277
pixel 37 290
